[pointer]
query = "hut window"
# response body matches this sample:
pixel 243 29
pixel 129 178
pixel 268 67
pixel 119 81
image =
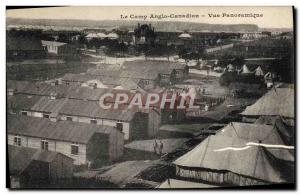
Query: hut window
pixel 74 149
pixel 46 116
pixel 24 113
pixel 163 76
pixel 17 141
pixel 44 145
pixel 69 119
pixel 93 121
pixel 120 126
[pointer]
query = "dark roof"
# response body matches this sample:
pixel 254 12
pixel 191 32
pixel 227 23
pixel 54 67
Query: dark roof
pixel 93 109
pixel 87 93
pixel 61 130
pixel 79 77
pixel 140 73
pixel 278 101
pixel 21 157
pixel 17 85
pixel 42 89
pixel 53 43
pixel 45 104
pixel 104 71
pixel 21 101
pixel 107 80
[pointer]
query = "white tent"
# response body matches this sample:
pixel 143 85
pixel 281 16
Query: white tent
pixel 101 35
pixel 245 70
pixel 230 68
pixel 259 72
pixel 91 36
pixel 185 35
pixel 112 36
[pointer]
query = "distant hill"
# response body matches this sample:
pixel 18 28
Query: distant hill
pixel 277 29
pixel 158 25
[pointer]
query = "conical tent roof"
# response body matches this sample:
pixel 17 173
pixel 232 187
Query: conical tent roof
pixel 259 71
pixel 252 161
pixel 230 67
pixel 232 150
pixel 245 70
pixel 278 101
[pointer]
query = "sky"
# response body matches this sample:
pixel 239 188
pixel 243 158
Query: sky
pixel 272 17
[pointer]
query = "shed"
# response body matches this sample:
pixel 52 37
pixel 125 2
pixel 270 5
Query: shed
pixel 55 47
pixel 33 165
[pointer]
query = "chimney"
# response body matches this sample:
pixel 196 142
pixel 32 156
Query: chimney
pixel 54 83
pixel 54 117
pixel 53 96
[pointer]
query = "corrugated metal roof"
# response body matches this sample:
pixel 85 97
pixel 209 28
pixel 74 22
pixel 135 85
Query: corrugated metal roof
pixel 17 85
pixel 42 89
pixel 21 157
pixel 53 43
pixel 61 130
pixel 45 104
pixel 21 102
pixel 93 109
pixel 107 80
pixel 278 101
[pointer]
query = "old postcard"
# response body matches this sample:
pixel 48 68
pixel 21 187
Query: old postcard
pixel 150 97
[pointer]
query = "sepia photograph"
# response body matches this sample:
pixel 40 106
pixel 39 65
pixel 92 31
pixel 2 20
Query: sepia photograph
pixel 150 98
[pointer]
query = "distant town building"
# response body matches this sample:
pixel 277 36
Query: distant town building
pixel 255 35
pixel 144 34
pixel 58 48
